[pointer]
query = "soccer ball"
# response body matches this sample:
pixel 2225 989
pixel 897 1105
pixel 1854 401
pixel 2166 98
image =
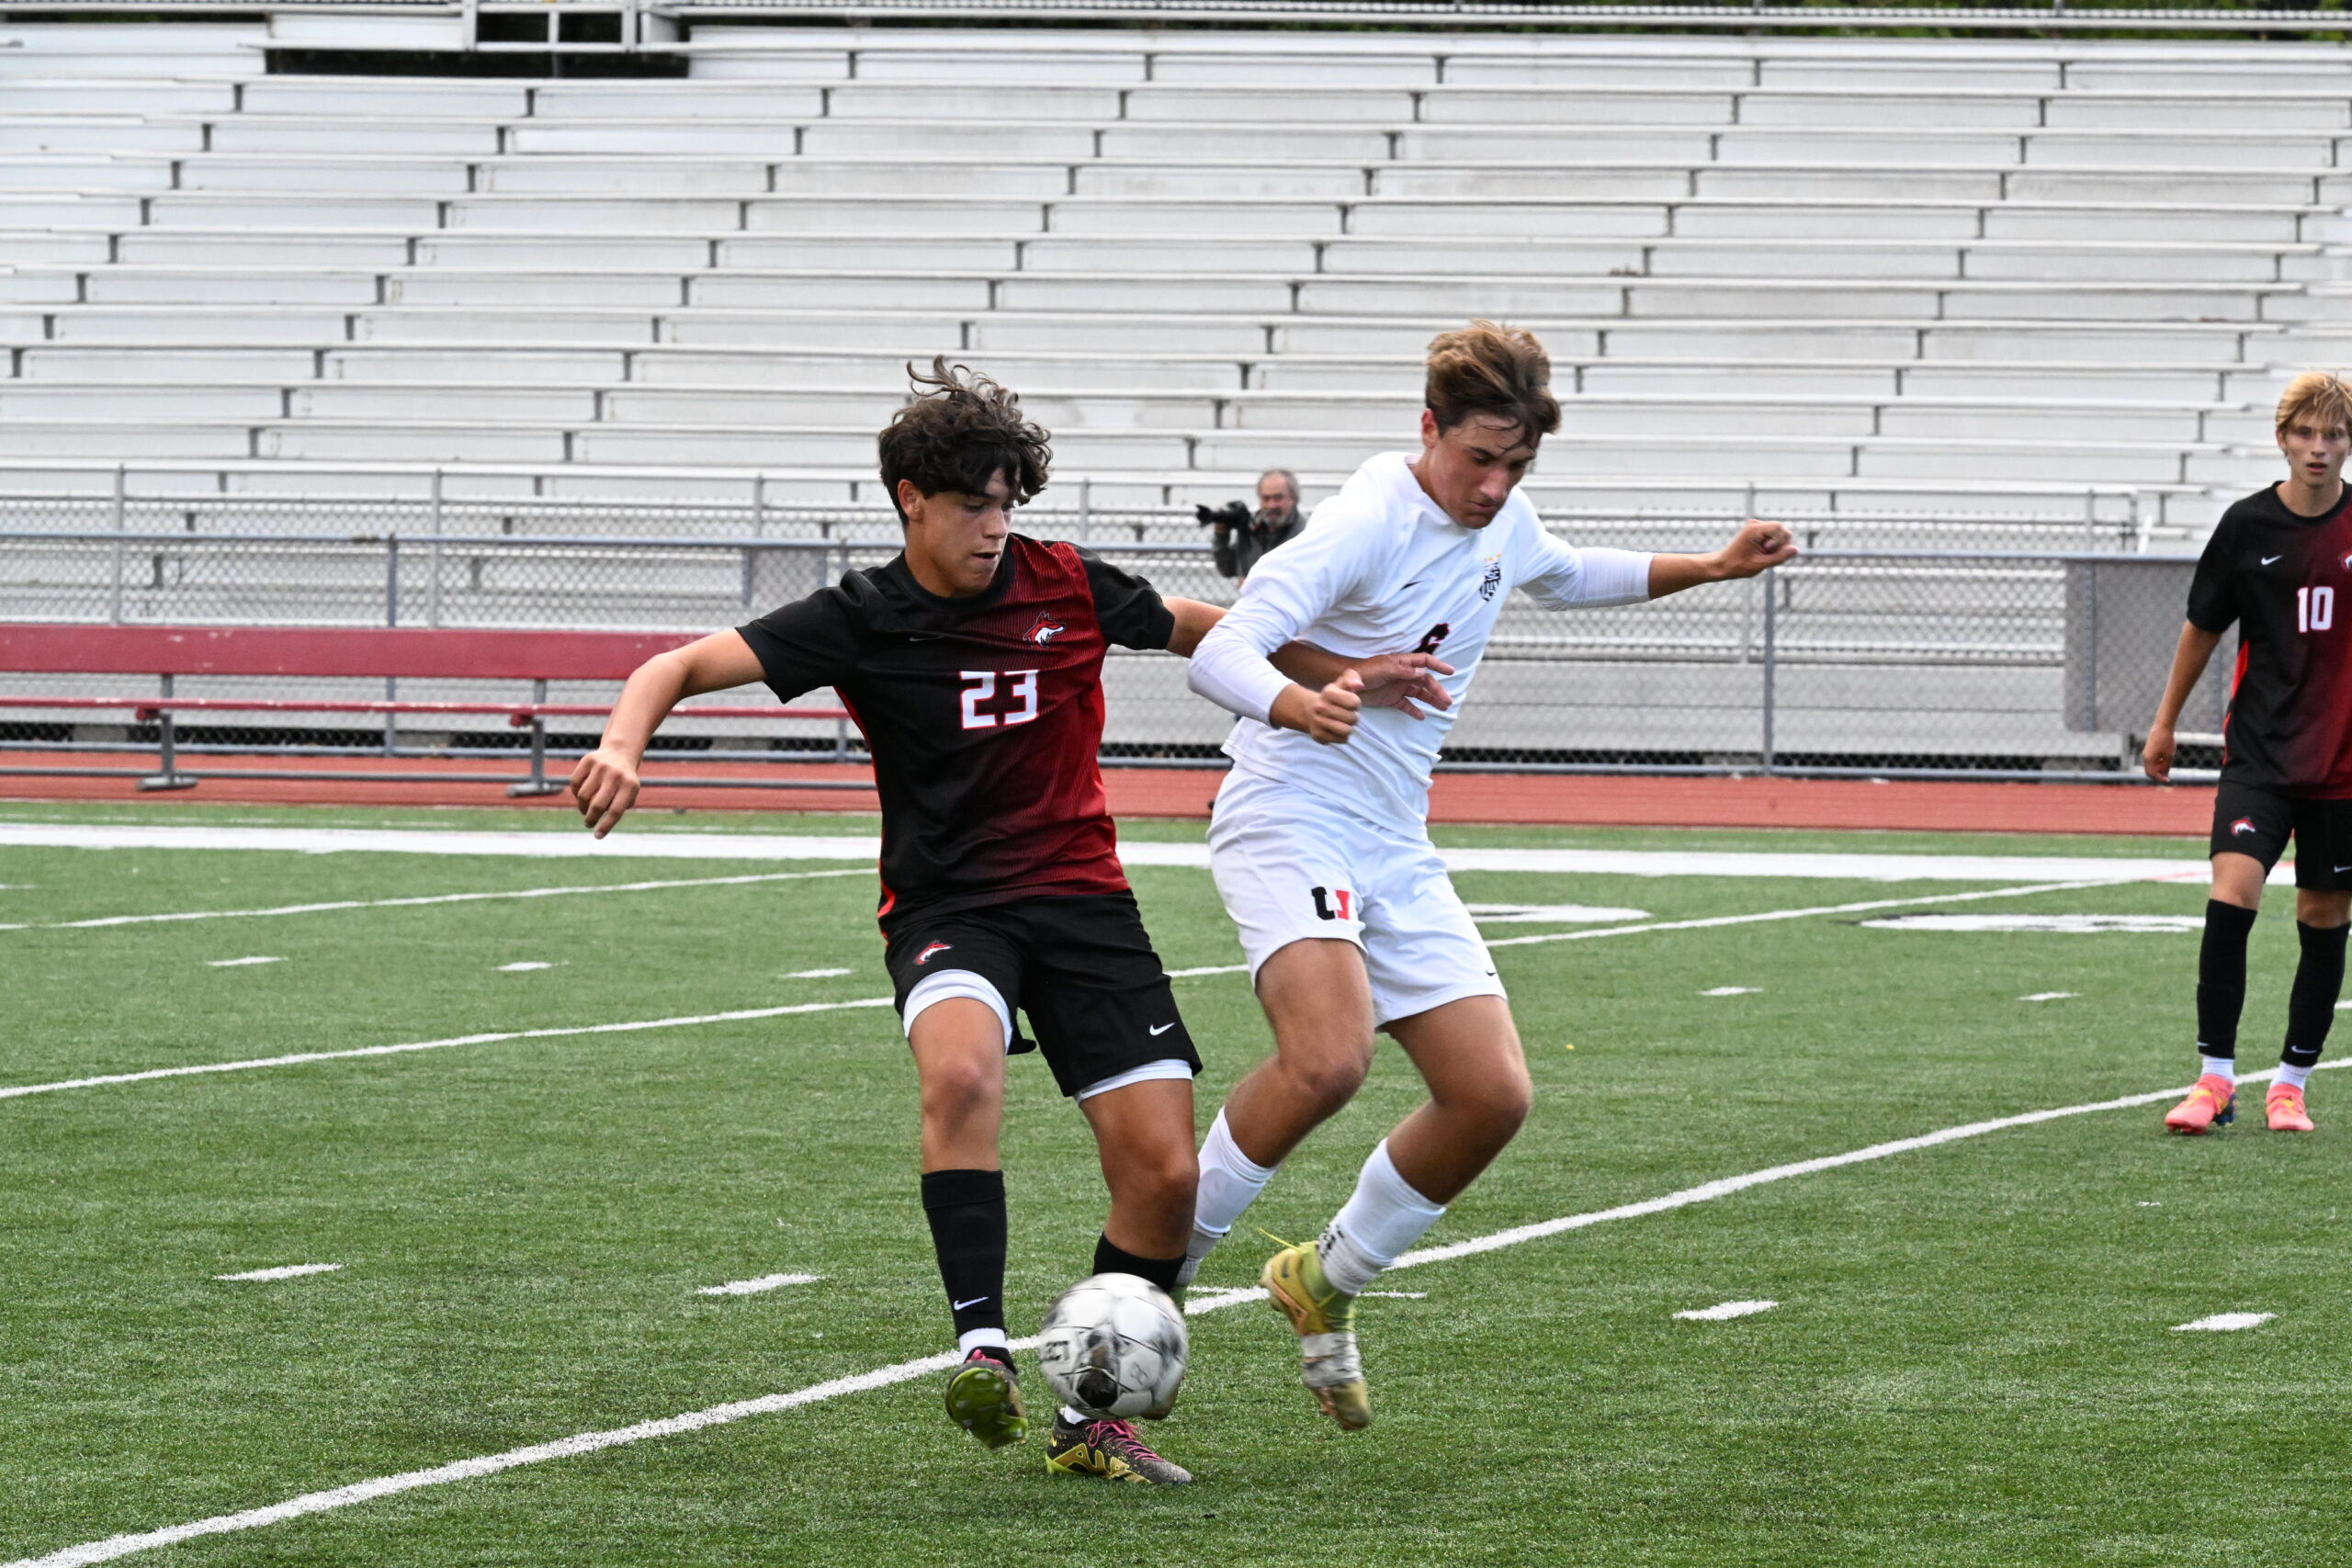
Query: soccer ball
pixel 1114 1345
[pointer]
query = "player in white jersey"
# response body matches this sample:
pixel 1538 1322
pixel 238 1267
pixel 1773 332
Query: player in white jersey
pixel 1322 853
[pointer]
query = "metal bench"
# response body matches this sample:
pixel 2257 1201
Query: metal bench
pixel 169 652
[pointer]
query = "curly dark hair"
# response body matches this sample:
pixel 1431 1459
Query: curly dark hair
pixel 958 430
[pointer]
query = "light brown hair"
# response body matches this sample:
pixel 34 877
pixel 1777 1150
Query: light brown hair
pixel 2318 396
pixel 1492 369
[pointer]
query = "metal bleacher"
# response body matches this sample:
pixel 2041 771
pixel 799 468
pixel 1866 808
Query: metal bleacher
pixel 2015 290
pixel 1830 268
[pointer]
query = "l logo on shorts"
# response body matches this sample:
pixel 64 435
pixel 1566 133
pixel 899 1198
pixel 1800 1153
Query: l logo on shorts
pixel 1323 910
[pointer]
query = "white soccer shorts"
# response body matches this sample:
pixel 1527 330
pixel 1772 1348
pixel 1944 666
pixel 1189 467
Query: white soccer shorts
pixel 1293 867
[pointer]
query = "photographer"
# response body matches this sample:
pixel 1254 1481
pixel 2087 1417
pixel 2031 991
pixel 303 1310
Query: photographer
pixel 1241 537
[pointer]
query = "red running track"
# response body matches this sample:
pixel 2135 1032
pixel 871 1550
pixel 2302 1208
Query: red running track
pixel 1514 798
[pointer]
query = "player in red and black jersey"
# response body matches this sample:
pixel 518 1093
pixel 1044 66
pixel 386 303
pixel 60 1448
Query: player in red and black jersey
pixel 2279 565
pixel 972 663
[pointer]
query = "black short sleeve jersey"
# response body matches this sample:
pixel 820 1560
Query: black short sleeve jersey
pixel 2279 576
pixel 984 717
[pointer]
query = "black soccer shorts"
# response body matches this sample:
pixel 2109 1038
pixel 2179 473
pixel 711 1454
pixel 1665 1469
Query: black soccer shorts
pixel 2259 822
pixel 1081 966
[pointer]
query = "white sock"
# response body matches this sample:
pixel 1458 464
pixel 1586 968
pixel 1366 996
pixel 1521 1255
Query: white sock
pixel 2219 1066
pixel 1383 1218
pixel 2293 1077
pixel 1230 1180
pixel 972 1340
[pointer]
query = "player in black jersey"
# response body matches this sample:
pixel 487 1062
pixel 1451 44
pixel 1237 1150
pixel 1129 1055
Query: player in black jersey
pixel 2280 564
pixel 973 664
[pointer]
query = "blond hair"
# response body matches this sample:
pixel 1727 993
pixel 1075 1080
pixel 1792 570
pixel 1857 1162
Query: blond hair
pixel 2318 396
pixel 1491 369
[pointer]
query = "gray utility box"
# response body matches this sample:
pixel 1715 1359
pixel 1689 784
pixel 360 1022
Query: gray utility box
pixel 2123 620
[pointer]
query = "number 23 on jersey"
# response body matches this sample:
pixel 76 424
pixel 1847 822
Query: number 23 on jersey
pixel 994 697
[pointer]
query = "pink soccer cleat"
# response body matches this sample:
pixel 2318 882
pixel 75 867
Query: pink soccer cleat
pixel 2212 1103
pixel 2283 1108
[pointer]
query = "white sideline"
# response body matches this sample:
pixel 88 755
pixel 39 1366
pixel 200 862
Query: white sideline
pixel 572 1446
pixel 423 899
pixel 19 1090
pixel 551 845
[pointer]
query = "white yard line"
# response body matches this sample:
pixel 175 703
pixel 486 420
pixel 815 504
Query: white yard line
pixel 572 1446
pixel 625 845
pixel 105 920
pixel 2226 1322
pixel 296 1059
pixel 1862 907
pixel 1708 1191
pixel 289 1272
pixel 1732 991
pixel 300 1057
pixel 818 973
pixel 239 962
pixel 525 966
pixel 1723 1309
pixel 2050 997
pixel 755 1287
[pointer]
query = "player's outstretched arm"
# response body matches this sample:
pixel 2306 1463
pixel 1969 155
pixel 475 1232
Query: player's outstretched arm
pixel 605 782
pixel 2189 660
pixel 1758 547
pixel 1319 702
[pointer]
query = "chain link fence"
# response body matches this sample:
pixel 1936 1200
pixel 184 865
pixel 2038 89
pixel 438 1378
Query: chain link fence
pixel 2041 662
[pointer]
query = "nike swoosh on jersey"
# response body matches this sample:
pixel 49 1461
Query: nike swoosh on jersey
pixel 1162 1029
pixel 2267 560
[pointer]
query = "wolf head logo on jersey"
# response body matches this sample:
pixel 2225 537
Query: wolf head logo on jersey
pixel 1044 629
pixel 2242 825
pixel 1493 578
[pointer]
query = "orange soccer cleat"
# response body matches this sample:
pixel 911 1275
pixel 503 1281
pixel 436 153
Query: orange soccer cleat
pixel 2212 1103
pixel 2283 1107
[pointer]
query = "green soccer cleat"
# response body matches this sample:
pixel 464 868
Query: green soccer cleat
pixel 984 1398
pixel 1109 1451
pixel 1332 1366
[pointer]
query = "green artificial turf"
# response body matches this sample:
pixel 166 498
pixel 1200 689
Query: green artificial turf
pixel 1971 1361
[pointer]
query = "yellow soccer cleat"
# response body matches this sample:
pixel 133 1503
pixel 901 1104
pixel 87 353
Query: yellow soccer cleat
pixel 984 1398
pixel 1109 1451
pixel 1325 1318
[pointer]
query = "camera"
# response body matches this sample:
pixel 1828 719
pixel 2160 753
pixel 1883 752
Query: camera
pixel 1233 514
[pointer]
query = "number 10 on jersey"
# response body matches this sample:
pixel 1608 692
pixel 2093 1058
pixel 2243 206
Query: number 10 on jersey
pixel 980 686
pixel 2315 609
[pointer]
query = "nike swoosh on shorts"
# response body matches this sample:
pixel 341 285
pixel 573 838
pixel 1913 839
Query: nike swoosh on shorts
pixel 1162 1029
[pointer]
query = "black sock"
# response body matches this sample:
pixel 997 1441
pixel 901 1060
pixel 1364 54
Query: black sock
pixel 965 1209
pixel 2221 978
pixel 1112 1258
pixel 2310 1006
